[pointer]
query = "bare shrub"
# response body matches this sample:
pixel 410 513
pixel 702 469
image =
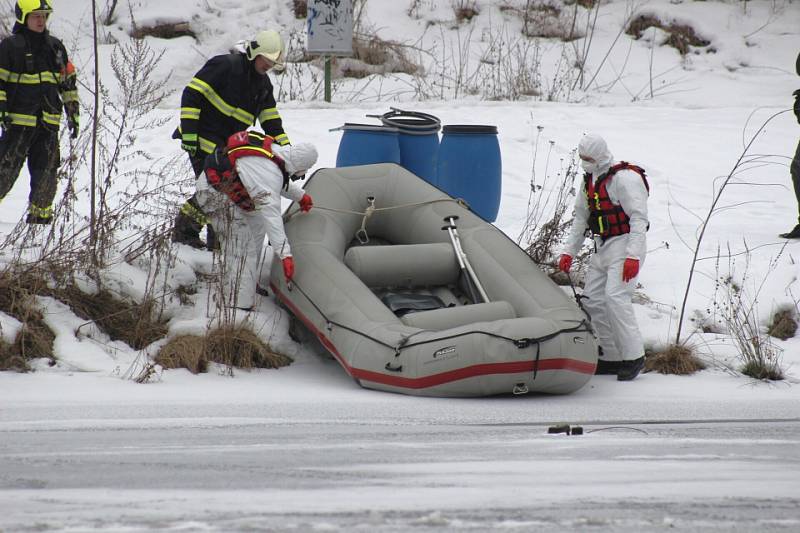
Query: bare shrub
pixel 300 8
pixel 233 346
pixel 737 306
pixel 550 199
pixel 464 10
pixel 784 324
pixel 674 359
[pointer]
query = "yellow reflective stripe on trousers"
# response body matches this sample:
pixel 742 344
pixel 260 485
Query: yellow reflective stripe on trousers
pixel 282 139
pixel 221 105
pixel 69 96
pixel 43 212
pixel 51 118
pixel 23 120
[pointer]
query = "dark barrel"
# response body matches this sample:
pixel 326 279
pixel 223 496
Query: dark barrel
pixel 469 167
pixel 419 141
pixel 364 144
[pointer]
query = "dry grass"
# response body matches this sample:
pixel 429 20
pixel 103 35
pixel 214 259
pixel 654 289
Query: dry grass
pixel 11 359
pixel 164 31
pixel 135 324
pixel 35 339
pixel 784 325
pixel 373 55
pixel 766 370
pixel 233 346
pixel 300 8
pixel 681 36
pixel 464 10
pixel 184 351
pixel 544 19
pixel 675 359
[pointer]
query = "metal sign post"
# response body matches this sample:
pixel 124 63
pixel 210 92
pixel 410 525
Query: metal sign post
pixel 330 32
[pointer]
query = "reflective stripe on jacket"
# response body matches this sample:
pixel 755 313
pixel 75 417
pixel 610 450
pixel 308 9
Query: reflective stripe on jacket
pixel 36 79
pixel 225 96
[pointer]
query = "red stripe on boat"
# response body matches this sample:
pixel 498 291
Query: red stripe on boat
pixel 484 369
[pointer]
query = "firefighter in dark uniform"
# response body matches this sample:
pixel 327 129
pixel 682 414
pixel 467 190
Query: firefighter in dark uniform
pixel 794 167
pixel 227 95
pixel 37 80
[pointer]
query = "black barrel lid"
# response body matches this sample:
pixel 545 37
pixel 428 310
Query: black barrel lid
pixel 469 128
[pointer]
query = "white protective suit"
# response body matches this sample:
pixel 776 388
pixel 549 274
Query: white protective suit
pixel 607 297
pixel 241 233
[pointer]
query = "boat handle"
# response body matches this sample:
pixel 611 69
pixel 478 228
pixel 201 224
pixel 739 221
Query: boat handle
pixel 392 368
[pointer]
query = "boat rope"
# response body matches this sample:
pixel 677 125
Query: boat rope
pixel 521 343
pixel 371 208
pixel 361 234
pixel 578 298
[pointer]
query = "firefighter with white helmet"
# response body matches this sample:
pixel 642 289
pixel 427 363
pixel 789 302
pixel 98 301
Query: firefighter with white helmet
pixel 613 207
pixel 229 94
pixel 37 83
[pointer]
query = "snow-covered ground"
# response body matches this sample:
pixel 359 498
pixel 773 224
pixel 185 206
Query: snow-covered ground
pixel 304 448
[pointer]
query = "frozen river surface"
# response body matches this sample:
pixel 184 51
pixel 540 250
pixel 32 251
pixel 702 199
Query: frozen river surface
pixel 199 469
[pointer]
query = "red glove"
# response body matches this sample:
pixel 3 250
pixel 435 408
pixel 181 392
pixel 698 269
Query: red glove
pixel 565 263
pixel 630 269
pixel 288 268
pixel 305 203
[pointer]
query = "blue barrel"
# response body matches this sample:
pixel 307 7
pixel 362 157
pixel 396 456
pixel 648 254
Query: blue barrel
pixel 364 144
pixel 419 141
pixel 469 167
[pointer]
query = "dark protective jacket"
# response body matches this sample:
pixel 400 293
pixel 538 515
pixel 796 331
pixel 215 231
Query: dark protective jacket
pixel 225 96
pixel 36 79
pixel 797 92
pixel 607 219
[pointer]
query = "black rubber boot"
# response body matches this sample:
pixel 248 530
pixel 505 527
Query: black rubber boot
pixel 34 219
pixel 794 234
pixel 212 244
pixel 629 369
pixel 607 367
pixel 187 231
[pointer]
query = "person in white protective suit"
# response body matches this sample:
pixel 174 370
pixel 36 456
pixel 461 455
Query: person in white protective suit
pixel 613 206
pixel 240 190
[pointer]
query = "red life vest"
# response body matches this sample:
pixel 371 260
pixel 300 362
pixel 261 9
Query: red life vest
pixel 220 166
pixel 251 143
pixel 606 219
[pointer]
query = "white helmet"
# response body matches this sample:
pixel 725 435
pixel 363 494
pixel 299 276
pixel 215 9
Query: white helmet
pixel 269 44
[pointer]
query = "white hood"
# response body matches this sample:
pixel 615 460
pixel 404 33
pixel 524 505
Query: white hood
pixel 298 157
pixel 594 146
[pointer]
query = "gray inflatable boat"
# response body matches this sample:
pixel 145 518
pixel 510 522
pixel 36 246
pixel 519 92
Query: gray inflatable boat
pixel 413 293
